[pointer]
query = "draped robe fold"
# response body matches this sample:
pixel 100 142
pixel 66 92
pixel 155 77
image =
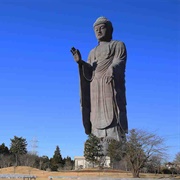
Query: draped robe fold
pixel 104 104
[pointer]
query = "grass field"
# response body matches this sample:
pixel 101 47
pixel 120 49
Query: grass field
pixel 44 175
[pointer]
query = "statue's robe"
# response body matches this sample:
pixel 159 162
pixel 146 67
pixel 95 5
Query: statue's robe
pixel 104 104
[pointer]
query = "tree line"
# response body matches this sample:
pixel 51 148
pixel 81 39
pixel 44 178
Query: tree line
pixel 17 155
pixel 142 151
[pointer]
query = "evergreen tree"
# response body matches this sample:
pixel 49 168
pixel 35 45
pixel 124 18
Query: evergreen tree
pixel 18 147
pixel 93 151
pixel 4 156
pixel 56 161
pixel 68 163
pixel 4 149
pixel 116 151
pixel 43 162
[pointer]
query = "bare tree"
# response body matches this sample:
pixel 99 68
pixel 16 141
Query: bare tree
pixel 140 147
pixel 6 160
pixel 28 159
pixel 177 158
pixel 154 164
pixel 177 162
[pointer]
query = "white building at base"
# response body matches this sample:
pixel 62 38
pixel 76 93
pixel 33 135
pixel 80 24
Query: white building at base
pixel 81 163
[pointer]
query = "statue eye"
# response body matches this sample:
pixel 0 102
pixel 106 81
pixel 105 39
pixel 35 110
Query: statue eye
pixel 102 27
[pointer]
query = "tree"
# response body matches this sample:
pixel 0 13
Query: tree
pixel 154 164
pixel 177 158
pixel 93 151
pixel 4 153
pixel 116 152
pixel 56 161
pixel 177 162
pixel 18 147
pixel 68 163
pixel 4 149
pixel 28 159
pixel 140 147
pixel 43 162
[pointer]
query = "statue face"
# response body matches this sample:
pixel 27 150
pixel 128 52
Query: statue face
pixel 101 32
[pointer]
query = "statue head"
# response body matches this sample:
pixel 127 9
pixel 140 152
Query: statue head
pixel 103 29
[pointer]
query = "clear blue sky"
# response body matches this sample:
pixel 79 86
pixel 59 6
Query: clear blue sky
pixel 39 83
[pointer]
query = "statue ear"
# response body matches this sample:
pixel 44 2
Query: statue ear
pixel 110 30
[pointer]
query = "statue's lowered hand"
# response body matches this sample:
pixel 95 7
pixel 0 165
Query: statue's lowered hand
pixel 109 75
pixel 76 54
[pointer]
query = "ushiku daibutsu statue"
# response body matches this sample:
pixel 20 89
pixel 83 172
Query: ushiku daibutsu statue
pixel 102 80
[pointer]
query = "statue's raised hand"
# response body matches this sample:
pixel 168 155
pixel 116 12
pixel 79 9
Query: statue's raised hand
pixel 76 54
